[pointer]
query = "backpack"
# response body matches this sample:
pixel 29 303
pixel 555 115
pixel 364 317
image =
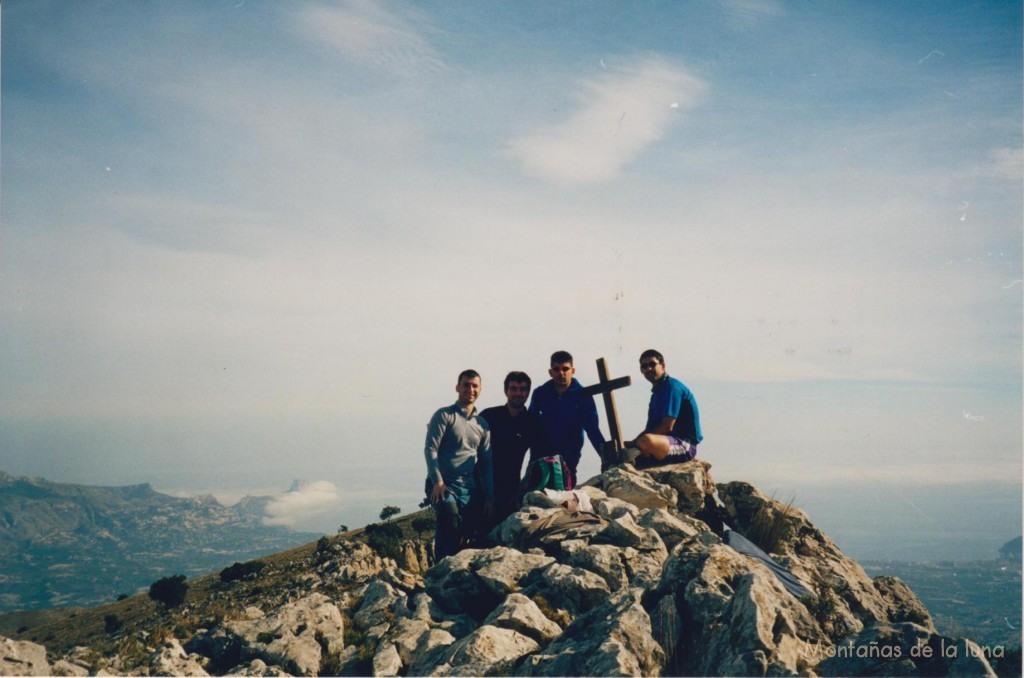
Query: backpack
pixel 546 473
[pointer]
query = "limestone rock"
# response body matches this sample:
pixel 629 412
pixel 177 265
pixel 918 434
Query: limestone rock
pixel 426 610
pixel 475 582
pixel 671 528
pixel 903 604
pixel 416 556
pixel 489 650
pixel 291 636
pixel 624 531
pixel 639 489
pixel 519 613
pixel 613 507
pixel 77 662
pixel 387 662
pixel 604 560
pixel 377 599
pixel 257 667
pixel 172 660
pixel 572 589
pixel 691 480
pixel 355 562
pixel 739 620
pixel 62 667
pixel 414 639
pixel 612 639
pixel 22 658
pixel 667 631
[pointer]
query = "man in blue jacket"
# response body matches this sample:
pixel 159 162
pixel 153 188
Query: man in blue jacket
pixel 673 421
pixel 565 414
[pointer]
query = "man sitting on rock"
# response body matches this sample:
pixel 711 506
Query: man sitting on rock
pixel 673 422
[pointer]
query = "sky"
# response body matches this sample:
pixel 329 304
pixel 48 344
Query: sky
pixel 245 243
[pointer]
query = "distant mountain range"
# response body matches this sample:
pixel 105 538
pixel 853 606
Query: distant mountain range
pixel 64 544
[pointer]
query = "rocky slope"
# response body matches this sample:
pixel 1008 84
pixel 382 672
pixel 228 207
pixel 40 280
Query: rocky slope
pixel 64 544
pixel 644 585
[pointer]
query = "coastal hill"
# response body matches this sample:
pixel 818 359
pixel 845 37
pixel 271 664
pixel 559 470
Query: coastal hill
pixel 649 583
pixel 63 544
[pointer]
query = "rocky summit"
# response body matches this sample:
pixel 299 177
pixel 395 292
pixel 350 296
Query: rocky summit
pixel 642 583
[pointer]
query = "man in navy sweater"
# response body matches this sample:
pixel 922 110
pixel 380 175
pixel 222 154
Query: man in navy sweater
pixel 565 414
pixel 514 430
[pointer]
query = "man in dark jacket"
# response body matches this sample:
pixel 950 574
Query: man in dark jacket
pixel 565 414
pixel 514 430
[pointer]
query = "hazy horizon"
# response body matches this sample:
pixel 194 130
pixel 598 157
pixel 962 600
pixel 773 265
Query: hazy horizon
pixel 243 243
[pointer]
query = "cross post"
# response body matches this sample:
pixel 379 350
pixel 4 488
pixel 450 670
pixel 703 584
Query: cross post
pixel 606 386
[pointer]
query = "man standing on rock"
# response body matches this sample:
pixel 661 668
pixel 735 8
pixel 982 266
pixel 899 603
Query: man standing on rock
pixel 565 414
pixel 514 430
pixel 458 441
pixel 673 422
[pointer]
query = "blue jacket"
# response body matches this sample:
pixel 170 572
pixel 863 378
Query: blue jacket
pixel 564 418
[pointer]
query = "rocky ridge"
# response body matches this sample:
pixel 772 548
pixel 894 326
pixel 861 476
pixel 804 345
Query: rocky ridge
pixel 644 585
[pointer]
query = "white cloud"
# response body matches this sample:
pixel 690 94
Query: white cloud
pixel 619 115
pixel 305 502
pixel 1007 163
pixel 368 34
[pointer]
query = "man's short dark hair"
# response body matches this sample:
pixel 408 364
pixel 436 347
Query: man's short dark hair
pixel 559 357
pixel 519 378
pixel 468 374
pixel 651 353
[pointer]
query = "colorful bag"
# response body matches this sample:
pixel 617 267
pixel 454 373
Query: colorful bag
pixel 546 473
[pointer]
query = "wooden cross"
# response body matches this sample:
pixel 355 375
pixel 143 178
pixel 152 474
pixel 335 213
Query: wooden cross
pixel 605 387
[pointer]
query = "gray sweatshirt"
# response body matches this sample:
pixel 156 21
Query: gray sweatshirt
pixel 455 445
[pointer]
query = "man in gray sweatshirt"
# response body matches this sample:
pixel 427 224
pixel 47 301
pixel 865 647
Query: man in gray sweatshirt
pixel 458 441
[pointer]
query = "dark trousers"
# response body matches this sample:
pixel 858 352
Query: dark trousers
pixel 456 523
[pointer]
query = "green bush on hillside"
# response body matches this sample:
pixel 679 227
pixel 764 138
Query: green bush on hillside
pixel 170 590
pixel 385 539
pixel 241 570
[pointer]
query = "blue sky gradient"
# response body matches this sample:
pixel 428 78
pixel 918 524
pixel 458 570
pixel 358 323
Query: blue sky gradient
pixel 245 242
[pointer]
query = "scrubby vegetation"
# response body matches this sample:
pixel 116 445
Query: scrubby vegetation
pixel 767 529
pixel 822 607
pixel 170 590
pixel 241 570
pixel 385 539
